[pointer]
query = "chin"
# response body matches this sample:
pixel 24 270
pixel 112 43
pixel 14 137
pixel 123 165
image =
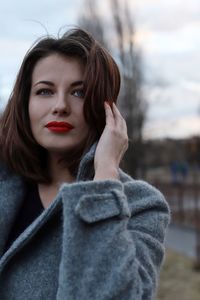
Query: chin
pixel 64 149
pixel 58 146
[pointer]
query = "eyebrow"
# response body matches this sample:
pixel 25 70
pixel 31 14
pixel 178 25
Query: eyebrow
pixel 76 83
pixel 44 82
pixel 73 84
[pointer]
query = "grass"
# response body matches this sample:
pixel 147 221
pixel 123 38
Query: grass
pixel 178 278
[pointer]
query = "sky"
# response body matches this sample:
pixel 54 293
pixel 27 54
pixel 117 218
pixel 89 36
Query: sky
pixel 166 32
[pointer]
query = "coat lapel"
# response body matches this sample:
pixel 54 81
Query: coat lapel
pixel 12 193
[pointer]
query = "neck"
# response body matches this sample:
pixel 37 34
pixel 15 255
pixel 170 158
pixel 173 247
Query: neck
pixel 59 175
pixel 59 172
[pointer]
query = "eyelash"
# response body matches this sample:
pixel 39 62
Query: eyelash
pixel 41 91
pixel 47 92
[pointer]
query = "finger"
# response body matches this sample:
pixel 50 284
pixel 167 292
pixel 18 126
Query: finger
pixel 119 124
pixel 118 117
pixel 109 114
pixel 116 111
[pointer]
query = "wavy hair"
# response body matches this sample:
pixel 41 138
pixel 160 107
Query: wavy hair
pixel 19 149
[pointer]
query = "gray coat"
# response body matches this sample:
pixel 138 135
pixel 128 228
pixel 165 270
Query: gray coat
pixel 107 242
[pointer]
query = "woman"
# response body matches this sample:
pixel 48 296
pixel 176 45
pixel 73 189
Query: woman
pixel 73 225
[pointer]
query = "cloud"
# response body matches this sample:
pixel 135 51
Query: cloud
pixel 167 31
pixel 181 127
pixel 21 18
pixel 12 52
pixel 173 110
pixel 181 40
pixel 172 100
pixel 165 15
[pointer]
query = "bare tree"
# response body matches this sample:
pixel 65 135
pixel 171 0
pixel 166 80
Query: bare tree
pixel 131 99
pixel 131 102
pixel 90 21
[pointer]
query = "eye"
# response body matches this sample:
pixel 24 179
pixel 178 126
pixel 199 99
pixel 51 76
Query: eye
pixel 78 93
pixel 44 92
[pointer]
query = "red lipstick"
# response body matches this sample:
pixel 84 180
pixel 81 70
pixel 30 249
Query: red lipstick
pixel 59 126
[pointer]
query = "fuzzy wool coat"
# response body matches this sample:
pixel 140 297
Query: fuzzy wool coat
pixel 98 240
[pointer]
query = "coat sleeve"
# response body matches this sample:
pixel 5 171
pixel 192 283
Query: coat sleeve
pixel 113 240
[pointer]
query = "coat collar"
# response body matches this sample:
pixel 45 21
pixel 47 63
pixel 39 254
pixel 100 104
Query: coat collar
pixel 86 167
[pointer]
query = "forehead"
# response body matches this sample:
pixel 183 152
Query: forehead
pixel 56 66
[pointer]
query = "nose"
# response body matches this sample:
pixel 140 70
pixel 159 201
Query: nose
pixel 61 105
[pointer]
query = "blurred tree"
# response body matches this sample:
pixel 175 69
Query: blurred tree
pixel 131 101
pixel 91 21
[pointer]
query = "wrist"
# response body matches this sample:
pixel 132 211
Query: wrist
pixel 106 173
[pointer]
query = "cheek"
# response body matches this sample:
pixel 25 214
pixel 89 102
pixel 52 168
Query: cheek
pixel 35 111
pixel 85 125
pixel 79 115
pixel 35 114
pixel 32 108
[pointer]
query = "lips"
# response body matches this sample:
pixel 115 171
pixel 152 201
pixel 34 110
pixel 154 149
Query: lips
pixel 59 126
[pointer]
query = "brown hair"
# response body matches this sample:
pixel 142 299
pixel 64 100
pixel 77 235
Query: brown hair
pixel 19 150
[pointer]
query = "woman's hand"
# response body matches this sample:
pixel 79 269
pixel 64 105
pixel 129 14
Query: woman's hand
pixel 112 145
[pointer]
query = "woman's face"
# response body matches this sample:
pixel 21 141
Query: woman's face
pixel 56 103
